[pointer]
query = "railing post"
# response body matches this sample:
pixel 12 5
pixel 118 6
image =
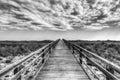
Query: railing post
pixel 108 67
pixel 80 57
pixel 69 46
pixel 111 70
pixel 43 57
pixel 49 50
pixel 73 50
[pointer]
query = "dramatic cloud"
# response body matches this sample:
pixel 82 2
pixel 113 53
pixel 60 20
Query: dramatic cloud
pixel 59 14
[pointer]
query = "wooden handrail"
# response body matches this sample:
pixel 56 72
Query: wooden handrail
pixel 12 66
pixel 114 66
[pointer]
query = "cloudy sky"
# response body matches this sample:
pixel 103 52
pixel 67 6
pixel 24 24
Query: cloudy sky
pixel 53 19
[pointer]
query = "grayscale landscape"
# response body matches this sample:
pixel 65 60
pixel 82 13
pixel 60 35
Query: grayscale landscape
pixel 59 39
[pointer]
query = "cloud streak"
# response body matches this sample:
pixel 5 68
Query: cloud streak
pixel 58 14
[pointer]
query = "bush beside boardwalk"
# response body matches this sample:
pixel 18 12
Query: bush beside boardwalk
pixel 102 47
pixel 14 48
pixel 12 51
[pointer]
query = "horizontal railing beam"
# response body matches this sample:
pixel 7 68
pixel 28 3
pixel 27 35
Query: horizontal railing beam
pixel 114 66
pixel 12 66
pixel 98 66
pixel 74 46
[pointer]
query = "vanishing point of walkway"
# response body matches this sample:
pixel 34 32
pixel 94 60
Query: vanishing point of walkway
pixel 61 65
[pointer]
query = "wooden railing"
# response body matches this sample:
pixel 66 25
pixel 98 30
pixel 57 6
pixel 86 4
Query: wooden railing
pixel 84 53
pixel 27 68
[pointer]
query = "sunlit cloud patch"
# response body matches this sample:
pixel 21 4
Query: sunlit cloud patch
pixel 95 27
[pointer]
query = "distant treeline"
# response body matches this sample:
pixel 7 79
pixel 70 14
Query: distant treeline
pixel 14 48
pixel 102 48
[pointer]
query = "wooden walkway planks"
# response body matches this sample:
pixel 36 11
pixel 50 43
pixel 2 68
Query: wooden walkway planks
pixel 61 65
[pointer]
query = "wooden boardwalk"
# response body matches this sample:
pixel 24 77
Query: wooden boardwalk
pixel 61 65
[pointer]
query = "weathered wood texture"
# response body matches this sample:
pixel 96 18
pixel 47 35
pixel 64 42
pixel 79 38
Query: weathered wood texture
pixel 61 65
